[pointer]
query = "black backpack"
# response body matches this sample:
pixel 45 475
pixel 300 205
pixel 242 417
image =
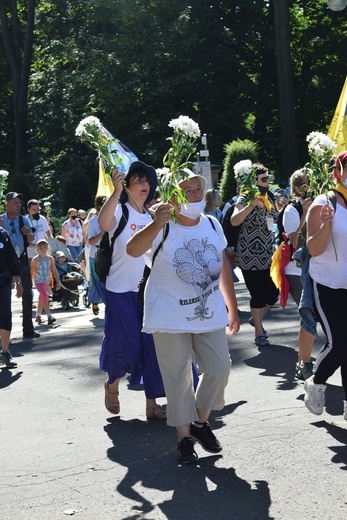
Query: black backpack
pixel 298 206
pixel 103 254
pixel 231 232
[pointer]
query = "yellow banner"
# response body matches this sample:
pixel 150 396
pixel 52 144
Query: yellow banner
pixel 338 127
pixel 105 186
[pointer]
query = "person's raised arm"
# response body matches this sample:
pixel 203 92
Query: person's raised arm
pixel 241 212
pixel 139 243
pixel 106 218
pixel 319 221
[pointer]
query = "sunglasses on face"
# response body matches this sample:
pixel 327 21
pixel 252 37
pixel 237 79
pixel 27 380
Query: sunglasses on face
pixel 264 179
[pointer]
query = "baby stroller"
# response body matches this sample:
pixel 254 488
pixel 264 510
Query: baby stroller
pixel 71 278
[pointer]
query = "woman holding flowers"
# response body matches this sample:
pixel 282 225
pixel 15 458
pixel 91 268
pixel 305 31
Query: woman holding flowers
pixel 185 311
pixel 326 242
pixel 255 211
pixel 184 306
pixel 125 349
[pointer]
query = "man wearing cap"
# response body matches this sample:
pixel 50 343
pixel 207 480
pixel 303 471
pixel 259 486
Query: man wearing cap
pixel 39 226
pixel 21 235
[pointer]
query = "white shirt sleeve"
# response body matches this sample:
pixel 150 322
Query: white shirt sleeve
pixel 291 219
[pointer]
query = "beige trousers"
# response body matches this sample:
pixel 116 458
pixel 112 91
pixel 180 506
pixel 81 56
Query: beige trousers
pixel 175 353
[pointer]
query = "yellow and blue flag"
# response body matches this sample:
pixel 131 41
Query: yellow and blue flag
pixel 123 157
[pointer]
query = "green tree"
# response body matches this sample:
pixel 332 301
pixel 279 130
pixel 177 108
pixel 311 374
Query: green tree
pixel 234 152
pixel 17 25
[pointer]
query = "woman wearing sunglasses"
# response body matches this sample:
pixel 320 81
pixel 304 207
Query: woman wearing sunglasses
pixel 255 248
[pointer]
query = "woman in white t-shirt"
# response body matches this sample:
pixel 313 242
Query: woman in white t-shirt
pixel 125 349
pixel 72 231
pixel 96 289
pixel 327 244
pixel 186 313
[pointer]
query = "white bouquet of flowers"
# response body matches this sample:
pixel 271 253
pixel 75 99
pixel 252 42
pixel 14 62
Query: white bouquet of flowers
pixel 321 150
pixel 183 146
pixel 91 132
pixel 246 178
pixel 48 207
pixel 319 170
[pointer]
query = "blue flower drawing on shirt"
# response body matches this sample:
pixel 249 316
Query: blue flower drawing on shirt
pixel 199 264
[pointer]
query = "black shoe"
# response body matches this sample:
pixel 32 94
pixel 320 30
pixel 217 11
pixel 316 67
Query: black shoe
pixel 303 371
pixel 32 334
pixel 186 452
pixel 7 359
pixel 205 437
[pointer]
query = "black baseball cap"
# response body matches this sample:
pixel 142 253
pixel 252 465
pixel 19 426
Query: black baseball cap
pixel 13 194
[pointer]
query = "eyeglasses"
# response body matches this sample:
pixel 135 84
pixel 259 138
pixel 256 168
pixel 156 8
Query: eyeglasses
pixel 13 228
pixel 140 181
pixel 264 179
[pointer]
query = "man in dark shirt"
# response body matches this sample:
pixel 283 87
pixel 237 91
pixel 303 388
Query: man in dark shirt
pixel 21 235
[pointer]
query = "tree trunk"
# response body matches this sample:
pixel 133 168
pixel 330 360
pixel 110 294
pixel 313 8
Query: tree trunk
pixel 286 88
pixel 20 63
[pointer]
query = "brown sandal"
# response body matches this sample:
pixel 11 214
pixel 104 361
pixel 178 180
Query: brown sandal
pixel 112 407
pixel 156 412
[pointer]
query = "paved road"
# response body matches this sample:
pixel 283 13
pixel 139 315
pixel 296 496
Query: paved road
pixel 63 454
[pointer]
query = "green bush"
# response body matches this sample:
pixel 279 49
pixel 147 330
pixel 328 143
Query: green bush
pixel 235 151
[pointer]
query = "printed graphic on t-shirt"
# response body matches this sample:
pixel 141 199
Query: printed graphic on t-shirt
pixel 199 264
pixel 135 228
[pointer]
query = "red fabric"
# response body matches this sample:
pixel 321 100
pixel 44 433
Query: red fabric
pixel 286 256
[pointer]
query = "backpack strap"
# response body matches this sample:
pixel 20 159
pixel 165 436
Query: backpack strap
pixel 332 198
pixel 21 224
pixel 166 232
pixel 120 227
pixel 211 222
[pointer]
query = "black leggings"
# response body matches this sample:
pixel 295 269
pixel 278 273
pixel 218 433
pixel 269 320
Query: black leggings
pixel 331 305
pixel 261 287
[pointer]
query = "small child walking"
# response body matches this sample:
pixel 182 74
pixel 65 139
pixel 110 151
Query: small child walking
pixel 43 271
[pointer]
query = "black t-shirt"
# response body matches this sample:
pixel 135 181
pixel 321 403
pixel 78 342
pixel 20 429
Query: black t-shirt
pixel 8 259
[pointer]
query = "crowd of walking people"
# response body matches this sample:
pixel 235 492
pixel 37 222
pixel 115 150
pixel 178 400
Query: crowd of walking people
pixel 175 342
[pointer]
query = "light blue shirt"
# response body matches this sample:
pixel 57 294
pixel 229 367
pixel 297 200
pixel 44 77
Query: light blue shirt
pixel 12 227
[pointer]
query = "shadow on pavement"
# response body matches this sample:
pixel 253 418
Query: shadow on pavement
pixel 340 434
pixel 276 361
pixel 148 451
pixel 7 378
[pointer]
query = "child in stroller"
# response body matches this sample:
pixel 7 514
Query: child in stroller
pixel 71 277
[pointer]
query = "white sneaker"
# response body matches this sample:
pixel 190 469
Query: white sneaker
pixel 345 410
pixel 315 396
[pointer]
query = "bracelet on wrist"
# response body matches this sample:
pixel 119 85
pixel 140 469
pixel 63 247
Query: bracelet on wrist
pixel 114 196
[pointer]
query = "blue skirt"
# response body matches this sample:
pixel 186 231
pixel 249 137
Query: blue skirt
pixel 125 349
